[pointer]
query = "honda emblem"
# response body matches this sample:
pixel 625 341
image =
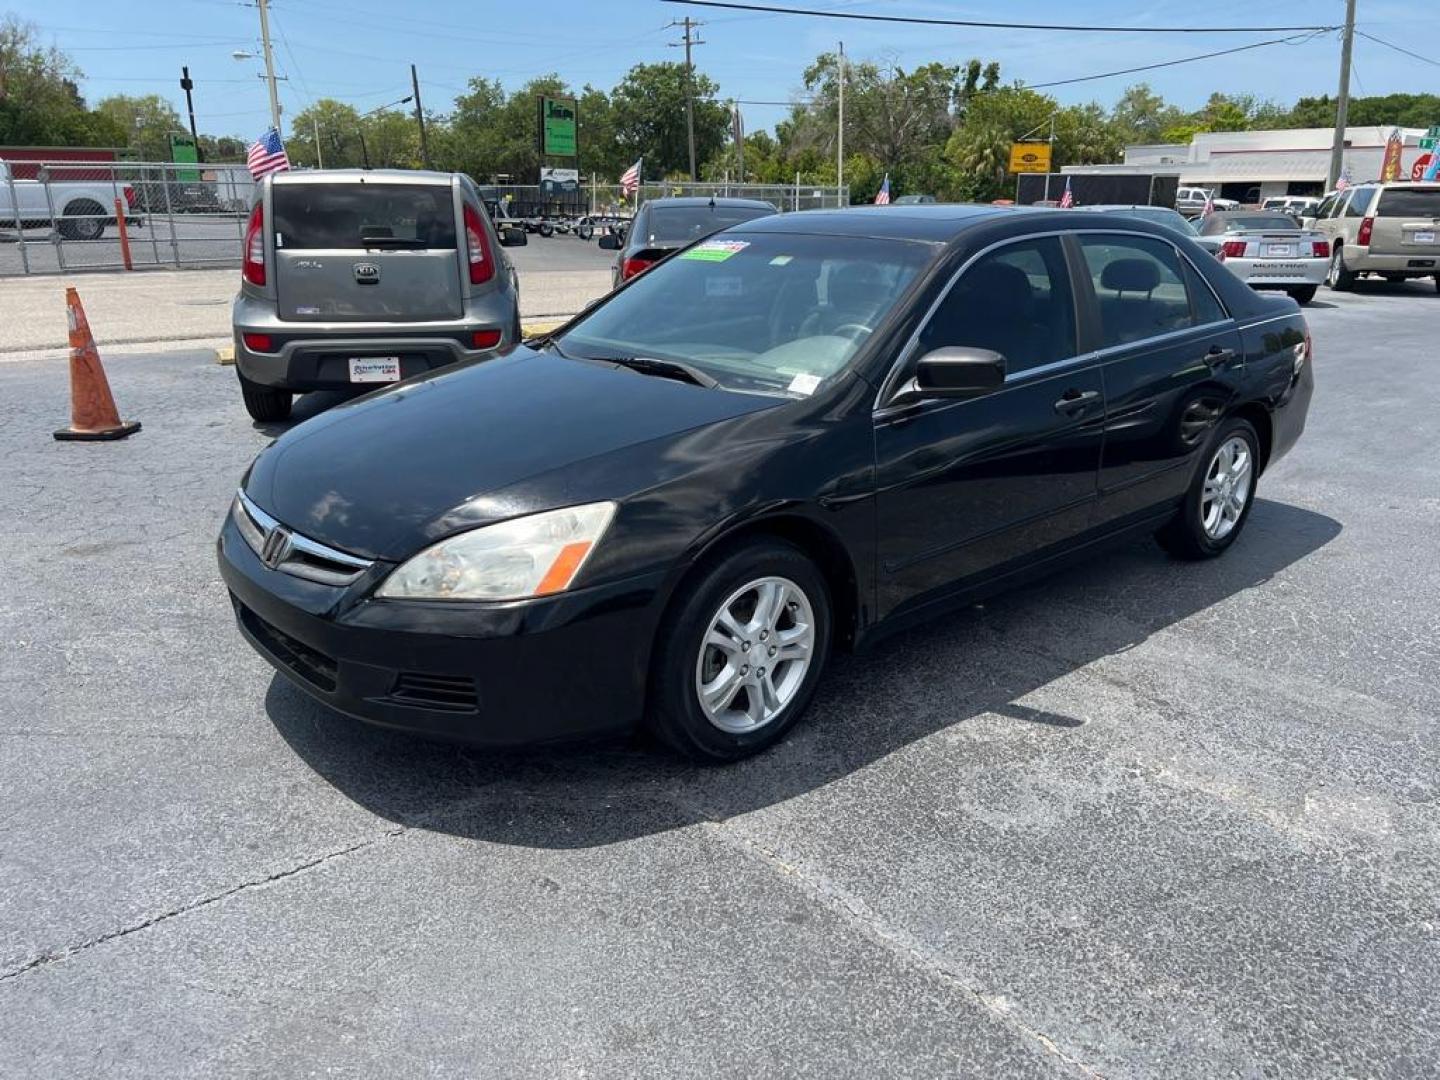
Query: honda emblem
pixel 276 547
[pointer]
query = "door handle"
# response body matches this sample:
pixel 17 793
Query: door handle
pixel 1218 357
pixel 1074 400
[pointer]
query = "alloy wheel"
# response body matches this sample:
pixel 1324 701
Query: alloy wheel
pixel 755 655
pixel 1227 488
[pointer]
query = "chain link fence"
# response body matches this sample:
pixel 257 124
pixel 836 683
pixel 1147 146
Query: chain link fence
pixel 63 215
pixel 607 200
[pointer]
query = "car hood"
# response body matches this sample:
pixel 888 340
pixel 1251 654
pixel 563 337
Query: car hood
pixel 388 473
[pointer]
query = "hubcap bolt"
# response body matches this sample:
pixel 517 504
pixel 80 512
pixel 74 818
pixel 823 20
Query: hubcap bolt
pixel 761 672
pixel 745 670
pixel 772 650
pixel 764 634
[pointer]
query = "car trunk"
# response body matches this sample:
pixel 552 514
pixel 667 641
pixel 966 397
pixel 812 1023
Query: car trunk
pixel 366 251
pixel 1407 222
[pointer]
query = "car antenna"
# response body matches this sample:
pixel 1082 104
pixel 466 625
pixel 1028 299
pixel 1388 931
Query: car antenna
pixel 712 200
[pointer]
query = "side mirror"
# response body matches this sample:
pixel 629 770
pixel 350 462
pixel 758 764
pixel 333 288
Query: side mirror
pixel 956 371
pixel 513 237
pixel 610 242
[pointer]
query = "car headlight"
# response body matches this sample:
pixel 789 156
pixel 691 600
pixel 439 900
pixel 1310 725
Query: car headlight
pixel 512 560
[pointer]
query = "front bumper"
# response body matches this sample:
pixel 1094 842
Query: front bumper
pixel 1278 273
pixel 557 668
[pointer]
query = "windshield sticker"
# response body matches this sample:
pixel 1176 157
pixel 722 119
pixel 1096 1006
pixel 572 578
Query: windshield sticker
pixel 804 383
pixel 716 250
pixel 781 260
pixel 729 285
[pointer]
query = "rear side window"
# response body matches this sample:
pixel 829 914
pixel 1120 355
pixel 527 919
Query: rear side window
pixel 1202 298
pixel 353 216
pixel 1409 202
pixel 1139 286
pixel 1359 202
pixel 1015 301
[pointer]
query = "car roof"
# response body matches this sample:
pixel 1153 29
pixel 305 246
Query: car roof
pixel 1123 207
pixel 336 176
pixel 935 222
pixel 706 200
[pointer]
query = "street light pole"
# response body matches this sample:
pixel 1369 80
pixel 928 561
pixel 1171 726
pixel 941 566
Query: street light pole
pixel 1342 99
pixel 264 6
pixel 840 131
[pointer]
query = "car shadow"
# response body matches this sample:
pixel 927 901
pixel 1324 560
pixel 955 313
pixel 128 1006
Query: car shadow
pixel 306 406
pixel 979 660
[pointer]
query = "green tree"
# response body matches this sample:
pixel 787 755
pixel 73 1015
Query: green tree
pixel 649 116
pixel 40 103
pixel 979 151
pixel 148 123
pixel 339 127
pixel 1141 116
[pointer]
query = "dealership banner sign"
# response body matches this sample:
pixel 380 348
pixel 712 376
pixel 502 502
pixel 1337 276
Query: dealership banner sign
pixel 1029 157
pixel 557 126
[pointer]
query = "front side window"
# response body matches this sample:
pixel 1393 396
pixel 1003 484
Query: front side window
pixel 772 313
pixel 1139 287
pixel 1016 301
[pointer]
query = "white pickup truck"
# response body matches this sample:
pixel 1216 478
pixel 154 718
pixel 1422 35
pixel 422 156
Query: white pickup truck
pixel 80 209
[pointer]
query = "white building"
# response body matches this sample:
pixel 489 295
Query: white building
pixel 1250 165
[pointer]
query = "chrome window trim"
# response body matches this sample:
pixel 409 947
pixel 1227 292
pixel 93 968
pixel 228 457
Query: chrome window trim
pixel 888 385
pixel 298 542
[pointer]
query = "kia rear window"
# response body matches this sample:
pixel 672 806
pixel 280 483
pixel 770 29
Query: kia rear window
pixel 1410 202
pixel 681 224
pixel 360 216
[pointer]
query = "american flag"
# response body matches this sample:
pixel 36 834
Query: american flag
pixel 1068 199
pixel 267 155
pixel 1209 207
pixel 630 179
pixel 1344 181
pixel 882 197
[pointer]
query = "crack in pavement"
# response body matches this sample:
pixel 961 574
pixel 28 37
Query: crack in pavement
pixel 45 959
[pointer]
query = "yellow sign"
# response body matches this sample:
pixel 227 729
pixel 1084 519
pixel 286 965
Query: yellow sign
pixel 1029 157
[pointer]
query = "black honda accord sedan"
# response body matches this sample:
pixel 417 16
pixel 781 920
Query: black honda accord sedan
pixel 791 437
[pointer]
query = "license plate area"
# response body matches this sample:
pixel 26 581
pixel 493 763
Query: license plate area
pixel 1423 236
pixel 374 369
pixel 1280 251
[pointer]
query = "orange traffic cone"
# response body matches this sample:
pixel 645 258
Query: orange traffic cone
pixel 93 414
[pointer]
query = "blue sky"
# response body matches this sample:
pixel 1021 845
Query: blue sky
pixel 360 50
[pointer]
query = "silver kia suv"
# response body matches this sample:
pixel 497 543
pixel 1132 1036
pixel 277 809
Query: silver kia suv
pixel 358 277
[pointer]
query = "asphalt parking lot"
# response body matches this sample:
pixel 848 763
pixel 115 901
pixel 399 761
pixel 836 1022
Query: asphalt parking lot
pixel 1142 819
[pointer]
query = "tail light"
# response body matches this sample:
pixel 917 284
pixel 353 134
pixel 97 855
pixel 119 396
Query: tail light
pixel 1367 226
pixel 1321 249
pixel 253 267
pixel 258 342
pixel 632 267
pixel 129 193
pixel 1232 249
pixel 485 339
pixel 477 248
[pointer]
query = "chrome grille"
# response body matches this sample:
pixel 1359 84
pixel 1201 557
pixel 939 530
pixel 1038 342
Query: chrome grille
pixel 281 548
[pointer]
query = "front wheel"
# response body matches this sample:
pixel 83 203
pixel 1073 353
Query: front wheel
pixel 1218 503
pixel 1304 294
pixel 1340 279
pixel 740 654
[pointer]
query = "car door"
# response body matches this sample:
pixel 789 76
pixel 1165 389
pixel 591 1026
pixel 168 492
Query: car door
pixel 968 486
pixel 1171 358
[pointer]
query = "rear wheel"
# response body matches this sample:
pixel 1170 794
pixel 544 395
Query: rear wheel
pixel 82 220
pixel 1218 503
pixel 740 654
pixel 1304 294
pixel 1340 279
pixel 265 403
pixel 546 229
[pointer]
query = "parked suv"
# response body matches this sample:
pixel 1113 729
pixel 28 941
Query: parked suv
pixel 1388 229
pixel 367 276
pixel 1192 200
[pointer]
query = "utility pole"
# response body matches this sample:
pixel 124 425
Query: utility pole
pixel 1052 153
pixel 420 117
pixel 1342 99
pixel 264 6
pixel 315 127
pixel 840 132
pixel 690 25
pixel 187 85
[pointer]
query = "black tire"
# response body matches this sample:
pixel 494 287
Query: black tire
pixel 1304 294
pixel 1437 282
pixel 1338 278
pixel 673 710
pixel 265 404
pixel 585 231
pixel 81 220
pixel 1185 536
pixel 547 230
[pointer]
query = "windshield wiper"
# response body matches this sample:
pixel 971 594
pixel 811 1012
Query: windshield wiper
pixel 392 242
pixel 668 369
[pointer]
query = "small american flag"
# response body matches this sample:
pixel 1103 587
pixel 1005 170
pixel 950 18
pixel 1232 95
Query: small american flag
pixel 882 197
pixel 1068 199
pixel 1209 207
pixel 1344 181
pixel 267 155
pixel 630 179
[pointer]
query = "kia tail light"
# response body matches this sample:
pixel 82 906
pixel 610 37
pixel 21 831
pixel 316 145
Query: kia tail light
pixel 632 266
pixel 253 266
pixel 477 248
pixel 1367 226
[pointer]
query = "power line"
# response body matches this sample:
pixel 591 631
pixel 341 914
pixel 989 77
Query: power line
pixel 1397 48
pixel 915 20
pixel 1180 60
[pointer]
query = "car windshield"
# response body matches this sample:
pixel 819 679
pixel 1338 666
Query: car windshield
pixel 1409 202
pixel 679 225
pixel 771 313
pixel 1246 222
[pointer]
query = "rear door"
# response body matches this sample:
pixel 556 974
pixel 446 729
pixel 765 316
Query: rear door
pixel 1407 222
pixel 1171 359
pixel 366 250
